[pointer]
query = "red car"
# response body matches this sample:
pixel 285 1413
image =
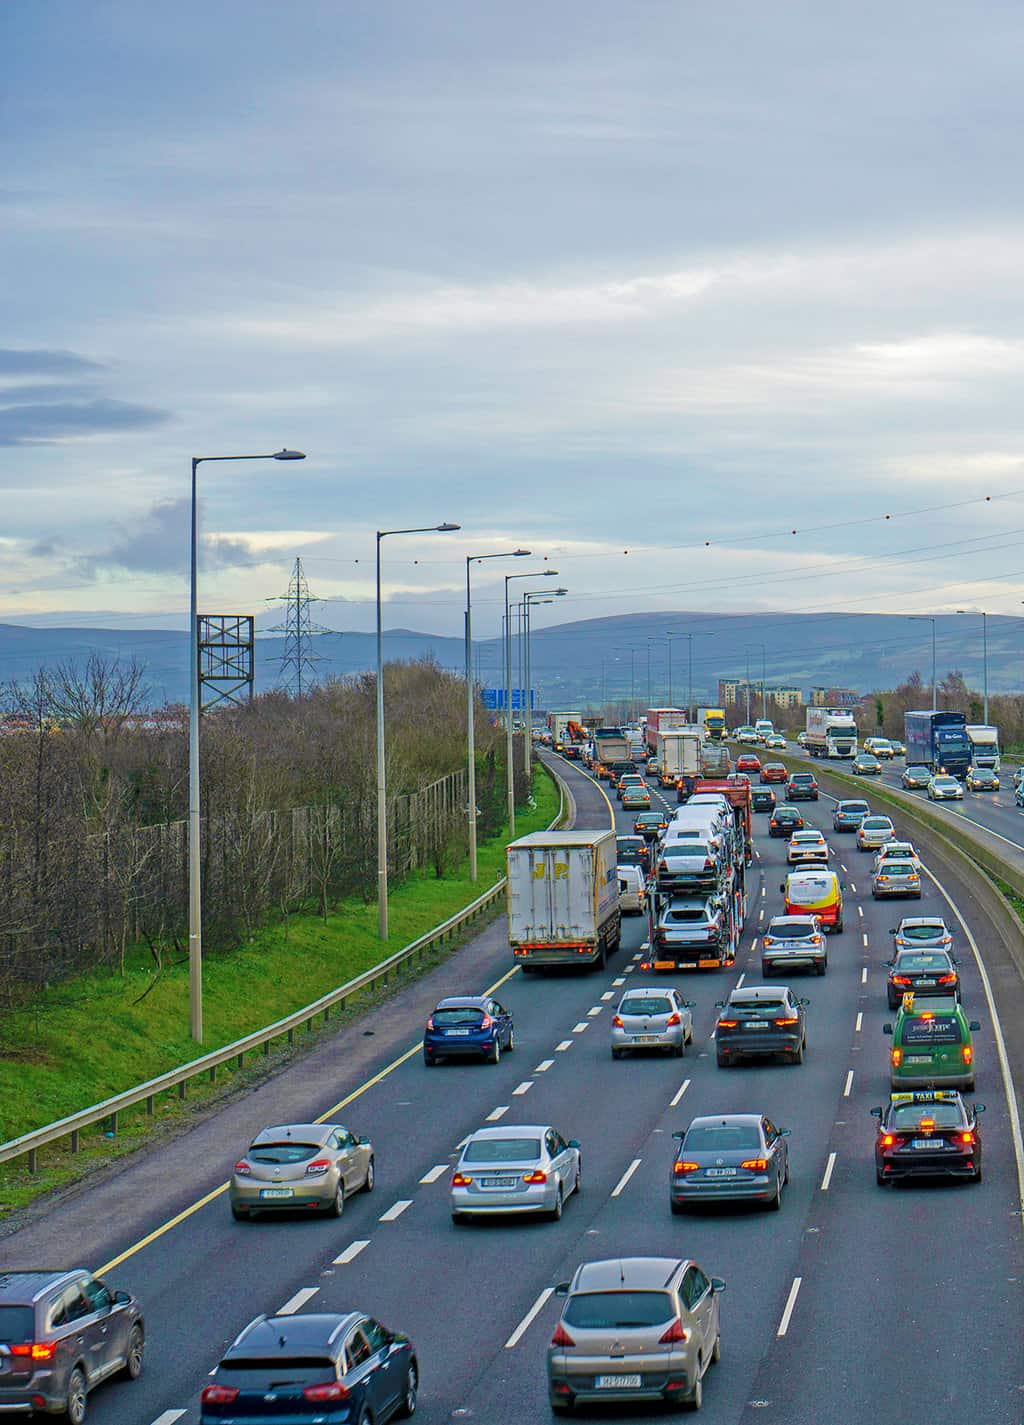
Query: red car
pixel 774 772
pixel 748 762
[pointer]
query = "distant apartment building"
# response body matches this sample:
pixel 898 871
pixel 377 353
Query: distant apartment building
pixel 733 691
pixel 834 698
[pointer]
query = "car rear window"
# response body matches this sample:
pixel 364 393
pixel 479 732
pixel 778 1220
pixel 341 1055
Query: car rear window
pixel 923 932
pixel 909 1115
pixel 696 849
pixel 502 1150
pixel 462 1014
pixel 876 823
pixel 686 916
pixel 722 1138
pixel 897 868
pixel 646 1004
pixel 791 929
pixel 252 1374
pixel 810 892
pixel 801 777
pixel 917 963
pixel 283 1152
pixel 941 1030
pixel 16 1323
pixel 618 1310
pixel 758 1006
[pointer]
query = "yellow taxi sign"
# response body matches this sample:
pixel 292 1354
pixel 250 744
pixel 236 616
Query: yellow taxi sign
pixel 908 1002
pixel 924 1096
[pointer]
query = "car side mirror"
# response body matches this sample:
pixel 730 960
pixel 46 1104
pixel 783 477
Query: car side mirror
pixel 886 1028
pixel 890 963
pixel 122 1298
pixel 689 1004
pixel 804 1002
pixel 363 1141
pixel 719 1003
pixel 574 1143
pixel 782 885
pixel 842 885
pixel 894 932
pixel 717 1284
pixel 978 1107
pixel 785 1132
pixel 562 1289
pixel 973 1025
pixel 876 1113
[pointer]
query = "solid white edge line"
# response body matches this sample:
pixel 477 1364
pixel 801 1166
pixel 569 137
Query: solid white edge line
pixel 497 1113
pixel 849 1083
pixel 528 1320
pixel 353 1249
pixel 794 1292
pixel 1009 1088
pixel 297 1302
pixel 617 1189
pixel 679 1093
pixel 827 1178
pixel 860 1021
pixel 395 1210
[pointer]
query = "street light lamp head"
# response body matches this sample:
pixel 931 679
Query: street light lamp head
pixel 550 573
pixel 519 553
pixel 447 527
pixel 289 455
pixel 559 593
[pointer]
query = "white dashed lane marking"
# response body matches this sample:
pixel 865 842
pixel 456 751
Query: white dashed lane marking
pixel 617 1189
pixel 529 1318
pixel 608 995
pixel 396 1210
pixel 794 1292
pixel 545 1064
pixel 595 1010
pixel 679 1093
pixel 579 1028
pixel 522 1088
pixel 860 1021
pixel 864 975
pixel 353 1249
pixel 829 1166
pixel 434 1173
pixel 497 1113
pixel 565 1044
pixel 298 1301
pixel 849 1084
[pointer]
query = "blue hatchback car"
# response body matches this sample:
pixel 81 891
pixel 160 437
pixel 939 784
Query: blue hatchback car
pixel 468 1027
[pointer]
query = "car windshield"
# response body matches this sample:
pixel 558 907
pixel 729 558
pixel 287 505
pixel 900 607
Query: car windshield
pixel 917 963
pixel 502 1150
pixel 282 1152
pixel 941 1030
pixel 917 772
pixel 459 1014
pixel 646 1004
pixel 922 932
pixel 250 1374
pixel 910 1115
pixel 618 1310
pixel 16 1323
pixel 792 929
pixel 722 1138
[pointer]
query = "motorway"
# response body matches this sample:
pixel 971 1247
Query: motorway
pixel 852 1303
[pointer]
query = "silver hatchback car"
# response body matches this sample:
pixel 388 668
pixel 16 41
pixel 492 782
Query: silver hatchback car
pixel 634 1329
pixel 301 1166
pixel 527 1168
pixel 651 1017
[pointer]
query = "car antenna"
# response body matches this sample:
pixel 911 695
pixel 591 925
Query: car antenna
pixel 622 1274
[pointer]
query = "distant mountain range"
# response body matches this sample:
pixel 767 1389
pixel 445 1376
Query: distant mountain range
pixel 598 659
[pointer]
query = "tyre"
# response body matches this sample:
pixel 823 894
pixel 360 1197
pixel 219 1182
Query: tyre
pixel 75 1407
pixel 723 1060
pixel 555 1215
pixel 411 1393
pixel 559 1407
pixel 494 1057
pixel 458 1219
pixel 578 1185
pixel 337 1204
pixel 132 1368
pixel 678 1208
pixel 977 1175
pixel 429 1060
pixel 716 1350
pixel 775 1203
pixel 838 927
pixel 510 1046
pixel 239 1213
pixel 766 969
pixel 695 1399
pixel 893 1004
pixel 881 1179
pixel 820 969
pixel 798 1057
pixel 679 1050
pixel 371 1176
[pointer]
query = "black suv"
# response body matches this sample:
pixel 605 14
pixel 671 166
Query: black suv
pixel 61 1334
pixel 802 787
pixel 314 1368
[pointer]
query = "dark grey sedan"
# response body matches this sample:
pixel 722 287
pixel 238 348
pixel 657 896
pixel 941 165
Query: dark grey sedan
pixel 739 1156
pixel 758 1021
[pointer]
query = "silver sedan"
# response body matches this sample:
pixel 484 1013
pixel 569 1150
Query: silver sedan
pixel 306 1166
pixel 527 1168
pixel 651 1017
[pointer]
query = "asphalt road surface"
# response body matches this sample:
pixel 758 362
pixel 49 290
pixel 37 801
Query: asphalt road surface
pixel 853 1303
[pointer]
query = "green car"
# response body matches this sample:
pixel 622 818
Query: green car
pixel 931 1044
pixel 635 797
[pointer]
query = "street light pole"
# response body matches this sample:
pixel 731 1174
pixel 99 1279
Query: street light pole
pixel 471 559
pixel 510 776
pixel 534 596
pixel 928 618
pixel 195 890
pixel 382 787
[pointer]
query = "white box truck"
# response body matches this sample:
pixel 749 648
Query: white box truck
pixel 830 732
pixel 558 723
pixel 984 742
pixel 678 754
pixel 563 898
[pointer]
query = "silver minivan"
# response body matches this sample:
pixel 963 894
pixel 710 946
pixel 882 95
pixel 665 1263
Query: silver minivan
pixel 634 1328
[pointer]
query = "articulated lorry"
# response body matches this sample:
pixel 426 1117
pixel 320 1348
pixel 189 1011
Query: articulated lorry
pixel 831 732
pixel 558 726
pixel 984 742
pixel 937 740
pixel 713 722
pixel 563 898
pixel 663 720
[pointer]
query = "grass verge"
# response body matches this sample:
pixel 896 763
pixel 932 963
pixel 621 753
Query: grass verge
pixel 97 1035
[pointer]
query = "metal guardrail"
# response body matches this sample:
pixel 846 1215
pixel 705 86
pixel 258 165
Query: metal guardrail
pixel 29 1144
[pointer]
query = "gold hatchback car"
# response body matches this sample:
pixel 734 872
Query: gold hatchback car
pixel 301 1166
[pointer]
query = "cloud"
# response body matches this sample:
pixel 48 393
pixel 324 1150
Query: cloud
pixel 25 362
pixel 48 423
pixel 159 543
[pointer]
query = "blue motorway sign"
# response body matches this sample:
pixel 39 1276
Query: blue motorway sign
pixel 493 699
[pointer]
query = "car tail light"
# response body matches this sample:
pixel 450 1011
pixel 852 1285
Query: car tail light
pixel 617 1021
pixel 461 1180
pixel 242 1169
pixel 967 1138
pixel 535 1177
pixel 562 1337
pixel 926 1124
pixel 947 979
pixel 330 1390
pixel 430 1022
pixel 789 1019
pixel 728 1023
pixel 485 1022
pixel 756 1165
pixel 318 1167
pixel 968 1053
pixel 35 1350
pixel 897 1058
pixel 928 1014
pixel 218 1394
pixel 676 1332
pixel 682 1166
pixel 902 980
pixel 673 1020
pixel 888 1140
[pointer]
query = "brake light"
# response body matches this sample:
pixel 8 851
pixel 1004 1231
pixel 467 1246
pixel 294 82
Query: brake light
pixel 318 1167
pixel 767 941
pixel 756 1165
pixel 967 1138
pixel 927 1124
pixel 947 979
pixel 242 1169
pixel 562 1337
pixel 485 1021
pixel 535 1177
pixel 897 1058
pixel 461 1180
pixel 683 1167
pixel 790 1019
pixel 676 1332
pixel 673 1020
pixel 35 1350
pixel 968 1053
pixel 218 1394
pixel 888 1140
pixel 330 1390
pixel 928 1014
pixel 901 980
pixel 430 1022
pixel 617 1021
pixel 728 1023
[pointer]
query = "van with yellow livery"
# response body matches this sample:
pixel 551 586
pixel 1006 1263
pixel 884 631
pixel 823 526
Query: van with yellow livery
pixel 815 892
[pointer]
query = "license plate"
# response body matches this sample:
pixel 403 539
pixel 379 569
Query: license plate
pixel 918 1059
pixel 275 1192
pixel 925 1143
pixel 753 1024
pixel 720 1172
pixel 664 964
pixel 707 964
pixel 456 1031
pixel 617 1382
pixel 646 1038
pixel 498 1182
pixel 926 984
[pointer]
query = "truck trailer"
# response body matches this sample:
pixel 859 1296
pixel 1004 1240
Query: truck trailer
pixel 831 732
pixel 558 724
pixel 937 740
pixel 663 720
pixel 563 898
pixel 678 754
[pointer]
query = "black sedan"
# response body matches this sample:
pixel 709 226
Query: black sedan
pixel 931 972
pixel 927 1134
pixel 785 820
pixel 758 1022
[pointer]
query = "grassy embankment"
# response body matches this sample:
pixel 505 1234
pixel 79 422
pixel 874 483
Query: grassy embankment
pixel 95 1036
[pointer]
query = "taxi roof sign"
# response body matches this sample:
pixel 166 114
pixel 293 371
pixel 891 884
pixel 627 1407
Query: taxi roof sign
pixel 925 1096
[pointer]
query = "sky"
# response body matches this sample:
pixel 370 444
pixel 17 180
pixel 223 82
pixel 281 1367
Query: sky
pixel 684 298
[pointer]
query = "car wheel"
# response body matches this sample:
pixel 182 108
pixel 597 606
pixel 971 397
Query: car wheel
pixel 616 1053
pixel 775 1203
pixel 723 1060
pixel 510 1046
pixel 766 969
pixel 977 1174
pixel 458 1219
pixel 555 1215
pixel 970 1086
pixel 365 1418
pixel 678 1208
pixel 578 1185
pixel 410 1396
pixel 679 1049
pixel 494 1057
pixel 881 1179
pixel 239 1213
pixel 695 1399
pixel 838 930
pixel 74 1408
pixel 820 969
pixel 798 1057
pixel 429 1059
pixel 716 1350
pixel 371 1176
pixel 337 1204
pixel 133 1359
pixel 559 1407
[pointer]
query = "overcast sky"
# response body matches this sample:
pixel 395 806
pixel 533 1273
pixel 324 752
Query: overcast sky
pixel 664 278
